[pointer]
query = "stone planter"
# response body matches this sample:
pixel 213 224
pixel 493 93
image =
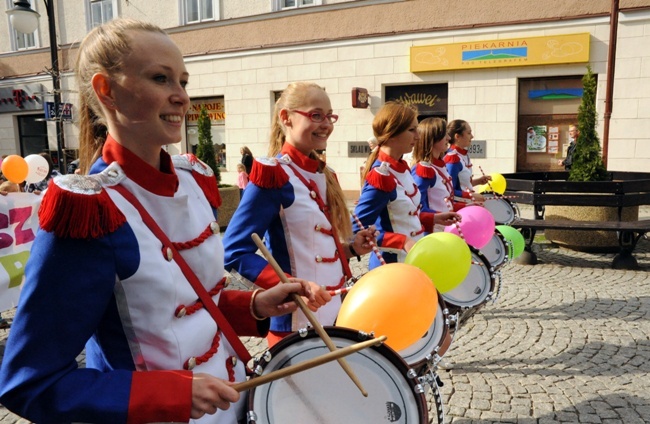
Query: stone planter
pixel 588 241
pixel 229 203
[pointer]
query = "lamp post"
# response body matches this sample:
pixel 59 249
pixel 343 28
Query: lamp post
pixel 25 19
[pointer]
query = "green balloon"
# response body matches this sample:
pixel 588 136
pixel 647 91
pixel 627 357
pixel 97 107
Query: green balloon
pixel 444 257
pixel 514 237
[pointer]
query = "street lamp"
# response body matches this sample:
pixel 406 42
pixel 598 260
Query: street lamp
pixel 25 19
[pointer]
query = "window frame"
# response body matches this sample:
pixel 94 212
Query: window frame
pixel 278 5
pixel 216 15
pixel 14 35
pixel 89 17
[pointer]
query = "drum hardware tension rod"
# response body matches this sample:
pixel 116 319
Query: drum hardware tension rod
pixel 308 313
pixel 308 364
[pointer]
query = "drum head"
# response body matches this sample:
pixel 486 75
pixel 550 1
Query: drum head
pixel 501 209
pixel 325 394
pixel 496 250
pixel 415 355
pixel 476 287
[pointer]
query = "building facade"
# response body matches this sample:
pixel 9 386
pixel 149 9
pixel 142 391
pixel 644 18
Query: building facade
pixel 511 69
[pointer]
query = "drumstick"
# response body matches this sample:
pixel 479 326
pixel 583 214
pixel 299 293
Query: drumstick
pixel 342 290
pixel 488 182
pixel 370 242
pixel 451 209
pixel 308 313
pixel 305 365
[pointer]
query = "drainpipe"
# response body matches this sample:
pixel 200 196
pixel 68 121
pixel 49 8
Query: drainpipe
pixel 611 62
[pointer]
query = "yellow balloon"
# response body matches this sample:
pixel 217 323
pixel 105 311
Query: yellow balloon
pixel 481 189
pixel 394 300
pixel 498 183
pixel 14 168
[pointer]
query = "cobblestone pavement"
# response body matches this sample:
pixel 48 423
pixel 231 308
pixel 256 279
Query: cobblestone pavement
pixel 566 342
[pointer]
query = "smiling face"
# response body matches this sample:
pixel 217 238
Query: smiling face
pixel 149 100
pixel 300 131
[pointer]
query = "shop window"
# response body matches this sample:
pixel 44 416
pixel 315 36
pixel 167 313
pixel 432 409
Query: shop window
pixel 547 106
pixel 32 133
pixel 216 110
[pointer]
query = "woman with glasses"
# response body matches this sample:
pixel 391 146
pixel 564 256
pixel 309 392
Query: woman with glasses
pixel 295 202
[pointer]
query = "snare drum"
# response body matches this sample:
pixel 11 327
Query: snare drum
pixel 476 288
pixel 436 340
pixel 502 209
pixel 496 251
pixel 325 394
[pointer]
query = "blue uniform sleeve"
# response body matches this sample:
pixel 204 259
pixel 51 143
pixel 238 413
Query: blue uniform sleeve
pixel 454 169
pixel 423 186
pixel 259 213
pixel 68 286
pixel 372 208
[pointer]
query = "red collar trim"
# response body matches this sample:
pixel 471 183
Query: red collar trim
pixel 299 158
pixel 163 182
pixel 459 149
pixel 397 165
pixel 438 162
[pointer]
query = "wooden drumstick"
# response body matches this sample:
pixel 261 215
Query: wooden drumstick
pixel 488 182
pixel 308 313
pixel 308 364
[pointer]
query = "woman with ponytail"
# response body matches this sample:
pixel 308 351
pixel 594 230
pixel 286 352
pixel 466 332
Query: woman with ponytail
pixel 295 202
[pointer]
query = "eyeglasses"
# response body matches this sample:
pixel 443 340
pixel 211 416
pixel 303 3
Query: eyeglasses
pixel 319 116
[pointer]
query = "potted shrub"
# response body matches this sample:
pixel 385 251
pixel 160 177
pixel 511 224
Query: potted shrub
pixel 206 152
pixel 588 166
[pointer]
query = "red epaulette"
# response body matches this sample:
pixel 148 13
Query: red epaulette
pixel 452 158
pixel 425 171
pixel 203 175
pixel 77 206
pixel 267 173
pixel 381 178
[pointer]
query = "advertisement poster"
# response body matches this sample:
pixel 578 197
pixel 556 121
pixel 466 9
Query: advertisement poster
pixel 536 139
pixel 553 139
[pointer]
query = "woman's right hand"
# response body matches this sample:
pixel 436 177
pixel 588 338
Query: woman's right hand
pixel 209 394
pixel 408 244
pixel 321 297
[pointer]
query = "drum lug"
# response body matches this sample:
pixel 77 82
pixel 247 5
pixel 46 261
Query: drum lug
pixel 251 416
pixel 258 370
pixel 303 332
pixel 365 336
pixel 411 373
pixel 267 356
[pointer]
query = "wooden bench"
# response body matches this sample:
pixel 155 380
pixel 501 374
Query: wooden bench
pixel 541 189
pixel 629 233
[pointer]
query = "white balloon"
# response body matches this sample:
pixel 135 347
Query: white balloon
pixel 37 168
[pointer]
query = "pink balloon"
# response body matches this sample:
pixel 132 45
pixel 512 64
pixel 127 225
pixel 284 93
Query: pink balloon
pixel 477 226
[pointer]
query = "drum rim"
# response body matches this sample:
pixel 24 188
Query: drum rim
pixel 513 206
pixel 446 332
pixel 492 285
pixel 506 257
pixel 336 331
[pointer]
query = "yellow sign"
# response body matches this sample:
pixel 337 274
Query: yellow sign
pixel 525 51
pixel 215 107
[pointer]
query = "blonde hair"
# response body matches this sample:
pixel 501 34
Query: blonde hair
pixel 103 50
pixel 430 130
pixel 293 97
pixel 241 167
pixel 393 118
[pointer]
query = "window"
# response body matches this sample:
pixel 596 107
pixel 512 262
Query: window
pixel 20 41
pixel 100 11
pixel 293 4
pixel 199 11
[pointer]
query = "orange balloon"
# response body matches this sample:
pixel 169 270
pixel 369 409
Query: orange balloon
pixel 396 300
pixel 14 168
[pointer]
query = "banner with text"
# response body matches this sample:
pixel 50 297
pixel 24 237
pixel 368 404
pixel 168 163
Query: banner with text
pixel 18 225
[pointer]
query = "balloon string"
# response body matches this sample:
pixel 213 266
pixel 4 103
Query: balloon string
pixel 370 242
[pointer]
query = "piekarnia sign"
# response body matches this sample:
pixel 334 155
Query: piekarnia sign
pixel 18 226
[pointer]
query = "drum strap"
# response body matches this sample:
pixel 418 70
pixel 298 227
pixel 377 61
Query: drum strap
pixel 311 185
pixel 212 308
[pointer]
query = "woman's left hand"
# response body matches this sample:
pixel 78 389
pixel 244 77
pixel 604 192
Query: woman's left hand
pixel 277 301
pixel 364 239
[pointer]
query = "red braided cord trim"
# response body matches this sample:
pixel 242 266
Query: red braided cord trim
pixel 183 310
pixel 230 367
pixel 330 260
pixel 338 286
pixel 323 230
pixel 198 360
pixel 196 242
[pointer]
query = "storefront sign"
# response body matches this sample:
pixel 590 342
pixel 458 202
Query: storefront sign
pixel 525 51
pixel 65 111
pixel 21 98
pixel 215 107
pixel 430 99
